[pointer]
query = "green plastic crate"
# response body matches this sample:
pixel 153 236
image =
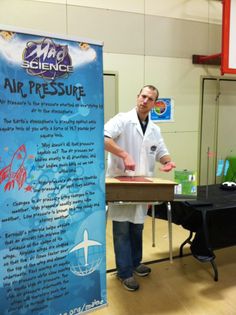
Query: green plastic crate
pixel 230 175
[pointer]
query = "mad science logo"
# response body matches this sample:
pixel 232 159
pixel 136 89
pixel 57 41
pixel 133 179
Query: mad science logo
pixel 47 59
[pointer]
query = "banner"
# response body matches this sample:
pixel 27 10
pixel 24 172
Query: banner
pixel 52 200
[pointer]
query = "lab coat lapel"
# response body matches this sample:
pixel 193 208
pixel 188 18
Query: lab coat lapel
pixel 149 129
pixel 136 122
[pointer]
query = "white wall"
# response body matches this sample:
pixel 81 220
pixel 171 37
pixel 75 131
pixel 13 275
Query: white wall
pixel 146 42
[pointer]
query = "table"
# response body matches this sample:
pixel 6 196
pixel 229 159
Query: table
pixel 212 219
pixel 149 189
pixel 137 190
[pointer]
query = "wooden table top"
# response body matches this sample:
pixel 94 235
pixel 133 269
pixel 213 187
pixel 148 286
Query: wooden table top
pixel 138 180
pixel 139 189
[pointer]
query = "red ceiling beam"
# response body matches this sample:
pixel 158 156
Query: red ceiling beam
pixel 207 60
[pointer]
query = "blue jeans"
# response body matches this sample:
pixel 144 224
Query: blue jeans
pixel 127 238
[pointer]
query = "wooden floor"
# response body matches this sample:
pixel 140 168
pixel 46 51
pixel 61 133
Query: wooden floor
pixel 184 287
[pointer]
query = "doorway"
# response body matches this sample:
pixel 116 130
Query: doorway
pixel 218 127
pixel 110 80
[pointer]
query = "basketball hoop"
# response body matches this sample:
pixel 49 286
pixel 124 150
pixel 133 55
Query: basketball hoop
pixel 227 58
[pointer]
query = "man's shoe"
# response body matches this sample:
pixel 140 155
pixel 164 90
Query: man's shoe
pixel 130 284
pixel 142 270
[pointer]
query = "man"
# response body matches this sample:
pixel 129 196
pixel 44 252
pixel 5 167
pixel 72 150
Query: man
pixel 134 144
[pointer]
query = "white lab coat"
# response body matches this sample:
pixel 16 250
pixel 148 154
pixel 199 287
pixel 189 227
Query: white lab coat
pixel 145 149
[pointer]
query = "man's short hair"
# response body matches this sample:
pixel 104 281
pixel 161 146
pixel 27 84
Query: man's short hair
pixel 151 87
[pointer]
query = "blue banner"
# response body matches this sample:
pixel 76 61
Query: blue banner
pixel 52 200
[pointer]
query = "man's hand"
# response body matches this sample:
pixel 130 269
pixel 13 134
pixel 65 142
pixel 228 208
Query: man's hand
pixel 112 147
pixel 129 162
pixel 167 167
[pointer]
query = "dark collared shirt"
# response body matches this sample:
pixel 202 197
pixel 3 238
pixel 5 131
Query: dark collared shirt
pixel 143 124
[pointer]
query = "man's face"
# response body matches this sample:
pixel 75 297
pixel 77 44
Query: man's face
pixel 146 100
